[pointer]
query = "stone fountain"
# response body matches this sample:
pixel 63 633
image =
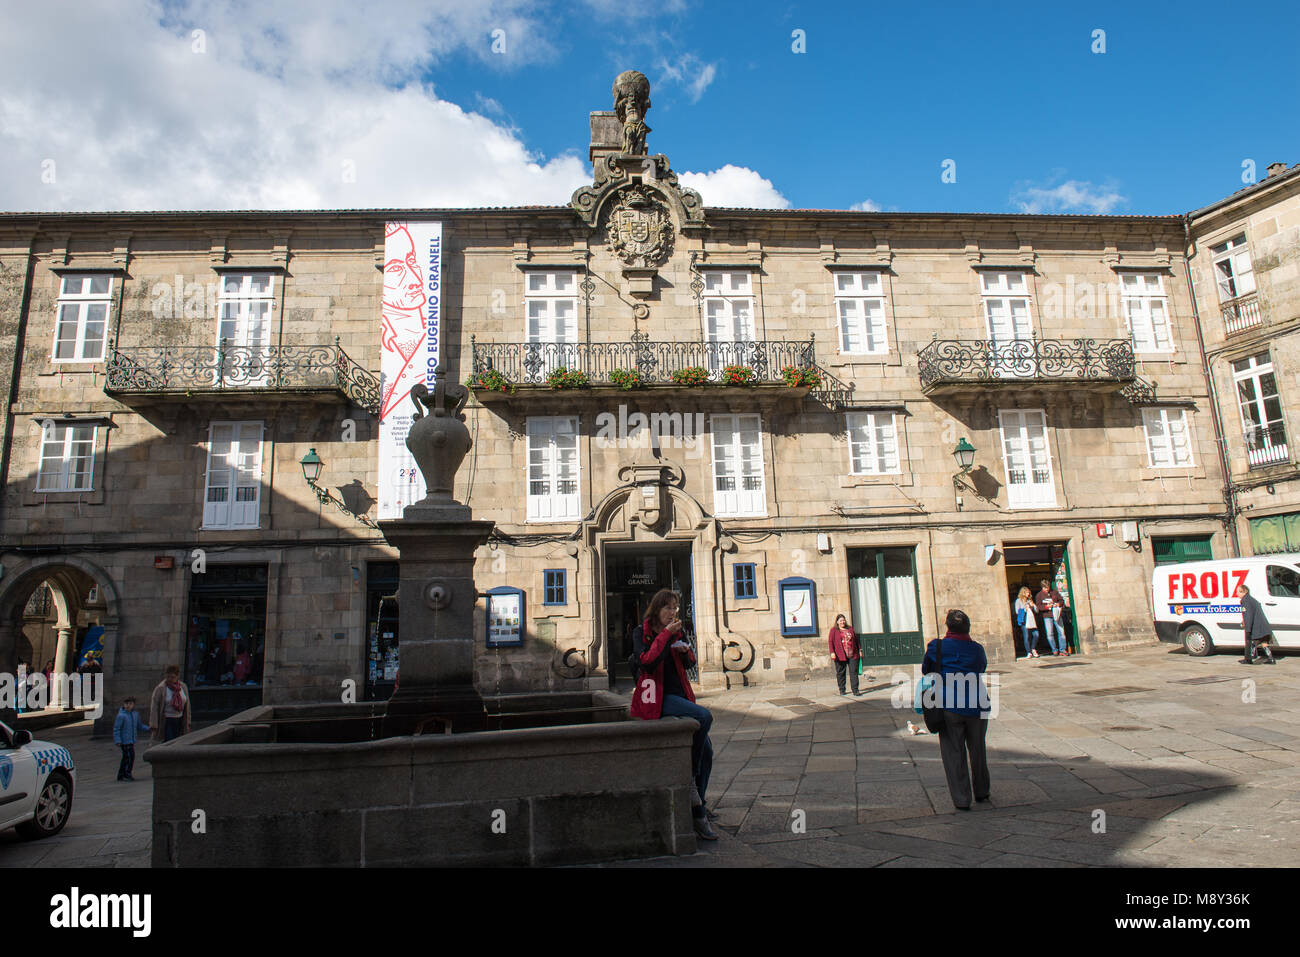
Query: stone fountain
pixel 440 774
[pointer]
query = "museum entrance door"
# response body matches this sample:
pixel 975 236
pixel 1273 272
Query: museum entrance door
pixel 632 576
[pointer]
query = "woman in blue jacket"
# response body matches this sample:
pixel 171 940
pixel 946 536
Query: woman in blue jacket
pixel 965 709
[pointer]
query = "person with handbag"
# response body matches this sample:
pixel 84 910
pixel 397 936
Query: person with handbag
pixel 1051 604
pixel 958 663
pixel 1026 621
pixel 663 690
pixel 845 654
pixel 1255 627
pixel 169 707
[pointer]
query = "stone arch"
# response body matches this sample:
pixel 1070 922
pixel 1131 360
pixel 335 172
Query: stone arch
pixel 61 572
pixel 606 513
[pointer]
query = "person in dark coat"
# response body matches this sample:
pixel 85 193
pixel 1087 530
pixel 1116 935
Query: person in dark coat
pixel 844 652
pixel 965 709
pixel 1255 628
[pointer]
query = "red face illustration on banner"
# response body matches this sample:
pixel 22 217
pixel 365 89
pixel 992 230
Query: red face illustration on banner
pixel 403 313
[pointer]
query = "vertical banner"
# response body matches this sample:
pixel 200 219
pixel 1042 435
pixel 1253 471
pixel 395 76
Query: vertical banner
pixel 410 332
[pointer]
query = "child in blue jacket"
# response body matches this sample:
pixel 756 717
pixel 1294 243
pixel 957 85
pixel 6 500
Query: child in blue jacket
pixel 125 730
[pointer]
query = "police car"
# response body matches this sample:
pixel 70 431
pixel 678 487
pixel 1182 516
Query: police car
pixel 1196 602
pixel 36 782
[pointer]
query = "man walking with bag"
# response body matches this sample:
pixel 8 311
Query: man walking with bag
pixel 959 663
pixel 1254 628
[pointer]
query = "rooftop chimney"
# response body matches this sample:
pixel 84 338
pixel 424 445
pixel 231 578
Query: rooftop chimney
pixel 606 134
pixel 1274 169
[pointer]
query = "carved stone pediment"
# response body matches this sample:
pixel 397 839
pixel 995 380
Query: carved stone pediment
pixel 621 160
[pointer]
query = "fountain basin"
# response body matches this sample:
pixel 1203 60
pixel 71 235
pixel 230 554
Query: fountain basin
pixel 567 778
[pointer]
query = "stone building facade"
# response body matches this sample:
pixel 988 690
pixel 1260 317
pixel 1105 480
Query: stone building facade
pixel 169 372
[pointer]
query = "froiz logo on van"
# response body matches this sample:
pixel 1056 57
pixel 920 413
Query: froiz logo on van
pixel 1207 585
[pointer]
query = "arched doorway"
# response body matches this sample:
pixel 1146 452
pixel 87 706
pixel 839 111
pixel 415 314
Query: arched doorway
pixel 47 610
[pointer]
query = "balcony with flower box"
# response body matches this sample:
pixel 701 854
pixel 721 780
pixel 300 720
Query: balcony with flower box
pixel 150 375
pixel 772 371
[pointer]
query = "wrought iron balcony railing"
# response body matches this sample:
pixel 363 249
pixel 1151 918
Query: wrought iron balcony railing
pixel 530 363
pixel 1266 445
pixel 1241 313
pixel 173 370
pixel 957 362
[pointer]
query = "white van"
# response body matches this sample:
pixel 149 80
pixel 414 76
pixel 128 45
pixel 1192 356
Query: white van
pixel 1194 601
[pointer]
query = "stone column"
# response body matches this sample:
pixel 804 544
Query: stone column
pixel 61 646
pixel 436 598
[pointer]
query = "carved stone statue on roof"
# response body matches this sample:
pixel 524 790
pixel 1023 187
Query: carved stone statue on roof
pixel 631 103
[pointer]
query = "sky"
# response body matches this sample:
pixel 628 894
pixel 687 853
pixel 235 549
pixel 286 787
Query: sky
pixel 947 107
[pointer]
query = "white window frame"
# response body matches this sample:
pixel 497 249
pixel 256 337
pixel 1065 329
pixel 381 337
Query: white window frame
pixel 250 509
pixel 57 446
pixel 1146 312
pixel 542 432
pixel 1230 254
pixel 728 305
pixel 860 310
pixel 1039 491
pixel 999 289
pixel 245 298
pixel 1267 451
pixel 73 308
pixel 544 294
pixel 873 441
pixel 748 497
pixel 1163 429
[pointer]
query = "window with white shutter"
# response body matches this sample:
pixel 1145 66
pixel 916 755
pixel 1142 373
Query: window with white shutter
pixel 873 443
pixel 67 458
pixel 1169 444
pixel 82 325
pixel 860 307
pixel 234 479
pixel 1234 273
pixel 1005 296
pixel 738 482
pixel 551 314
pixel 244 327
pixel 728 299
pixel 1026 459
pixel 553 469
pixel 1264 430
pixel 1146 309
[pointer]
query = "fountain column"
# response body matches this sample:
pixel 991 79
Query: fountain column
pixel 436 537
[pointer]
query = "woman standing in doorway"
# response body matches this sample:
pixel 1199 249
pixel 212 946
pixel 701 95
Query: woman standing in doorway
pixel 1026 621
pixel 663 690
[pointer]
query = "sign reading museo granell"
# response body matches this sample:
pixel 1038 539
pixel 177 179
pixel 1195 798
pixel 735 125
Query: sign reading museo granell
pixel 410 329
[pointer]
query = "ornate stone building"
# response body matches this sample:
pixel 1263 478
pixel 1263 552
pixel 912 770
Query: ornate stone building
pixel 783 414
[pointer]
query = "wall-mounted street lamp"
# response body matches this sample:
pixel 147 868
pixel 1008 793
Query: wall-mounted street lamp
pixel 964 454
pixel 311 468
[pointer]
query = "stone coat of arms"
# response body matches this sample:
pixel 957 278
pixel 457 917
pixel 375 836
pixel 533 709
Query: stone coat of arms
pixel 640 231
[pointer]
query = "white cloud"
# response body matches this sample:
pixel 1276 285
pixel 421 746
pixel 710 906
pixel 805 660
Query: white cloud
pixel 735 186
pixel 866 206
pixel 1072 196
pixel 284 103
pixel 688 71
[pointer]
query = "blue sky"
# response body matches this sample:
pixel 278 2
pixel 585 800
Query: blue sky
pixel 234 104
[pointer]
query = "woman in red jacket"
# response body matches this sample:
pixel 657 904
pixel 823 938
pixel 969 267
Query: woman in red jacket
pixel 844 651
pixel 663 690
